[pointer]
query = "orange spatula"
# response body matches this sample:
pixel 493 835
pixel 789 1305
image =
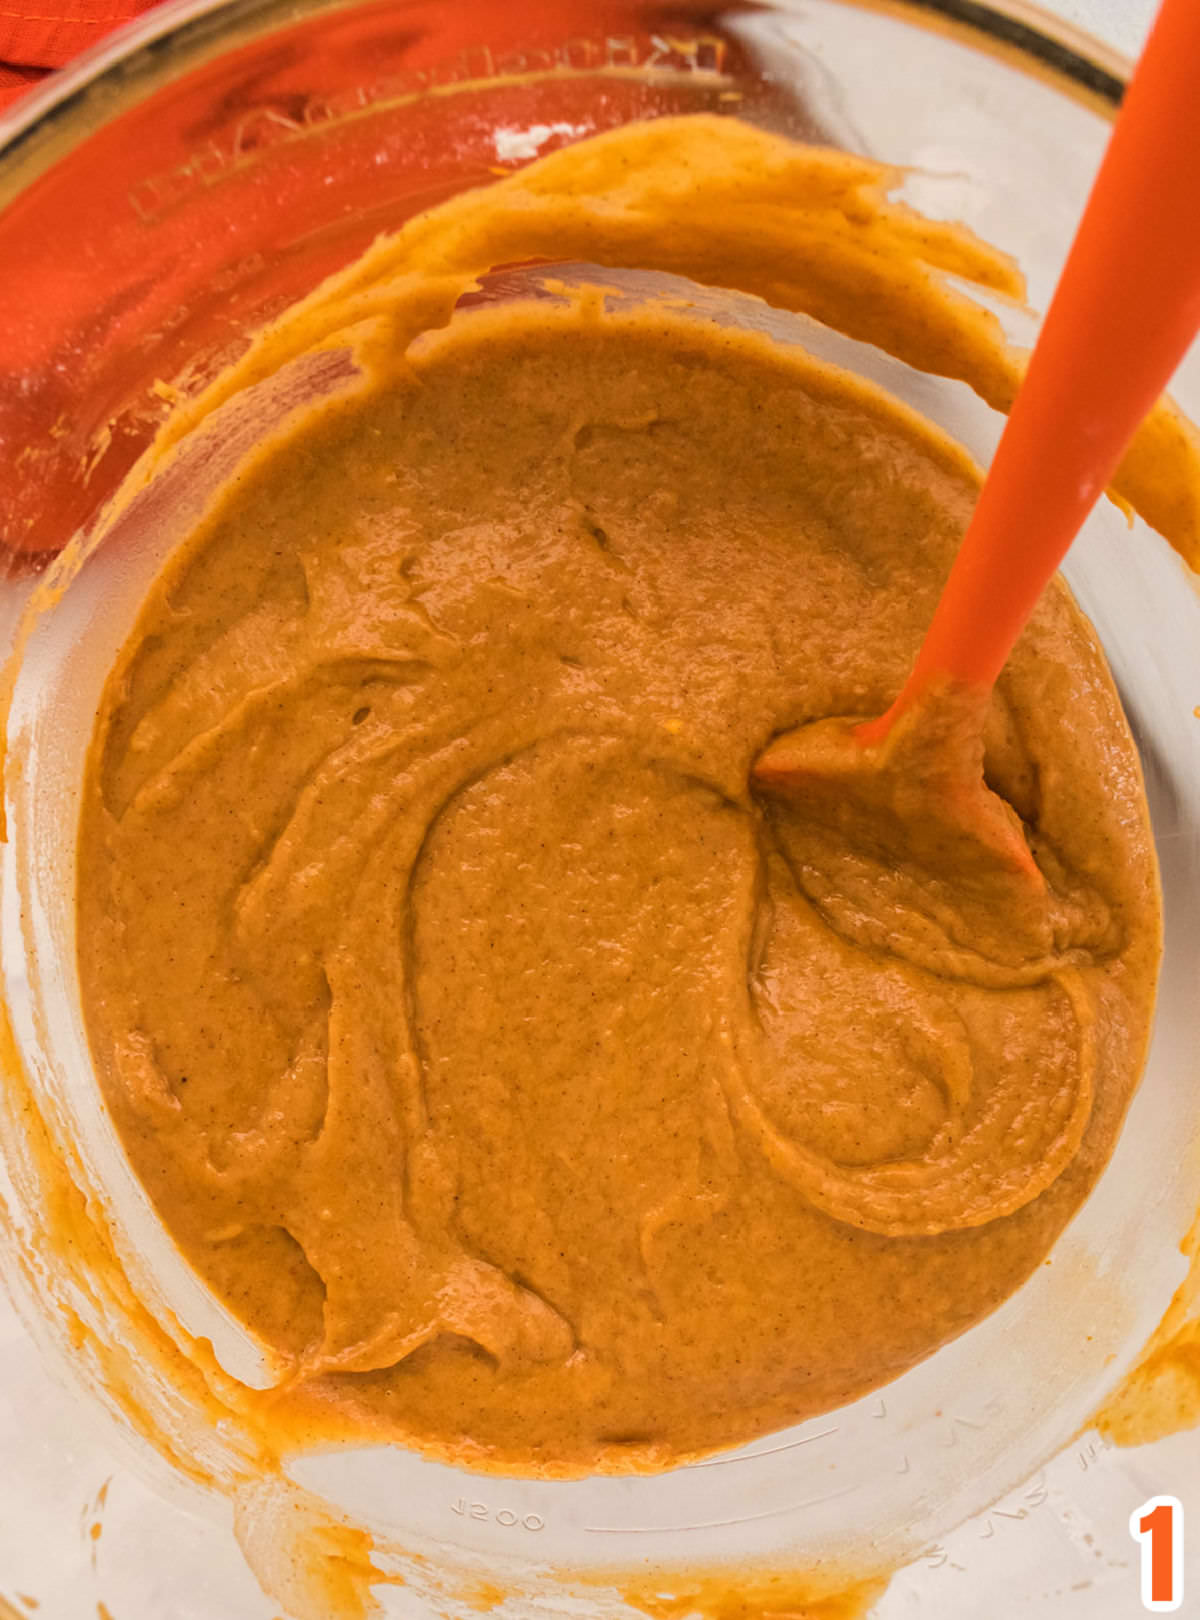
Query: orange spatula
pixel 1125 311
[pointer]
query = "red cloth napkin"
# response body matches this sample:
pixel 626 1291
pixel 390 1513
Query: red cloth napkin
pixel 37 36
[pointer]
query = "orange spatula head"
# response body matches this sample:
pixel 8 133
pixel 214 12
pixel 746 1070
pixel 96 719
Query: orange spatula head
pixel 1125 311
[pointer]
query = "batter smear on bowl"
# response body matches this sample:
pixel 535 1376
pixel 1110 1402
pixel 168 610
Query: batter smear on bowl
pixel 538 1093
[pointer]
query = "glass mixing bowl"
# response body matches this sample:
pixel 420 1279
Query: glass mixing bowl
pixel 156 206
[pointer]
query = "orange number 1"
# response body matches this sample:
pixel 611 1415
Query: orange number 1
pixel 1158 1526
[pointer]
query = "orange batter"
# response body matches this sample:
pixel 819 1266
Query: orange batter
pixel 534 1092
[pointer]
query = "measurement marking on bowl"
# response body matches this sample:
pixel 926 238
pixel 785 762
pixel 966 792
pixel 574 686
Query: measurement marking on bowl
pixel 258 129
pixel 714 1524
pixel 505 1517
pixel 771 1451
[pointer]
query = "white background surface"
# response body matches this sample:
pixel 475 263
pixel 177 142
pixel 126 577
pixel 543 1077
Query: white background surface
pixel 1122 23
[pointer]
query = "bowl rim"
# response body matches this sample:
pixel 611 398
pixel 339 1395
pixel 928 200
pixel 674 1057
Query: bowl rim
pixel 140 57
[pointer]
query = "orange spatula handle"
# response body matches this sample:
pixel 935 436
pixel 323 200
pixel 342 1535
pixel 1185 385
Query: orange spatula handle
pixel 1125 311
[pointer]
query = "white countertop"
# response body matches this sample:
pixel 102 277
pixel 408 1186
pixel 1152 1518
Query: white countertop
pixel 1123 23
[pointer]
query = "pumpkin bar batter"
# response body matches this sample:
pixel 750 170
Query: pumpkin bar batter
pixel 505 1065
